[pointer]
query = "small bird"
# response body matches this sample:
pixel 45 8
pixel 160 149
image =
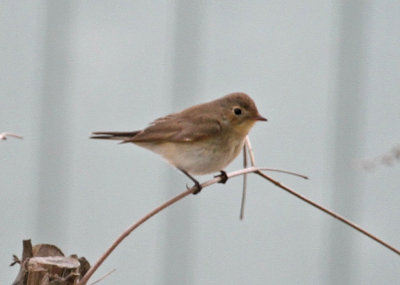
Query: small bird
pixel 199 140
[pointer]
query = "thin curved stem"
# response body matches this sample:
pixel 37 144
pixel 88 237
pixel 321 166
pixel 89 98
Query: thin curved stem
pixel 285 172
pixel 251 152
pixel 4 136
pixel 151 214
pixel 244 191
pixel 213 181
pixel 329 212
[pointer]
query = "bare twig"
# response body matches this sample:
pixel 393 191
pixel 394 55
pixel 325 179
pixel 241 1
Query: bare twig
pixel 241 216
pixel 151 214
pixel 247 147
pixel 253 162
pixel 251 152
pixel 3 136
pixel 331 213
pixel 213 181
pixel 285 172
pixel 102 278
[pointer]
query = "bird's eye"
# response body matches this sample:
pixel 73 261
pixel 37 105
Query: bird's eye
pixel 237 111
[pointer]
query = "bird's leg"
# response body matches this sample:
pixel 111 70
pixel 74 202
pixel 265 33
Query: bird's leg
pixel 196 183
pixel 224 177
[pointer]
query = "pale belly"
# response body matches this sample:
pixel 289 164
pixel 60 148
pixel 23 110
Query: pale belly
pixel 202 157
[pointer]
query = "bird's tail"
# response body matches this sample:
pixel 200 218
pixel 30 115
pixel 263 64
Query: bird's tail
pixel 119 136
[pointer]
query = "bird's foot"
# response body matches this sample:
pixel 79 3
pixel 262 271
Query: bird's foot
pixel 197 188
pixel 224 177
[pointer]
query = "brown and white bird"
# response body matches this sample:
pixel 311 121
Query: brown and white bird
pixel 199 140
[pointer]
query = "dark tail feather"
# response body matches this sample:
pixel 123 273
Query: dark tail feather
pixel 120 136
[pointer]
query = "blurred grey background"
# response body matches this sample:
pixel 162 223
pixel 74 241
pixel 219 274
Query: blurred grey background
pixel 325 73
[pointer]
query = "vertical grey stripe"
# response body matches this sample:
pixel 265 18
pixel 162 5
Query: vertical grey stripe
pixel 180 244
pixel 53 152
pixel 347 137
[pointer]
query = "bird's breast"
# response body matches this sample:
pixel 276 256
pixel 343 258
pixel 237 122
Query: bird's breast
pixel 200 157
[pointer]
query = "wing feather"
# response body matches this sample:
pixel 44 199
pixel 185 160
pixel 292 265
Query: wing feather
pixel 174 128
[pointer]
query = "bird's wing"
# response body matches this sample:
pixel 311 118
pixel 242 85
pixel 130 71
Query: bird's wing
pixel 182 128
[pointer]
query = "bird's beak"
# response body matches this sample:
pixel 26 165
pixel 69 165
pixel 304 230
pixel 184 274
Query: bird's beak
pixel 258 117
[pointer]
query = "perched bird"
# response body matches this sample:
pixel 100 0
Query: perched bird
pixel 199 140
